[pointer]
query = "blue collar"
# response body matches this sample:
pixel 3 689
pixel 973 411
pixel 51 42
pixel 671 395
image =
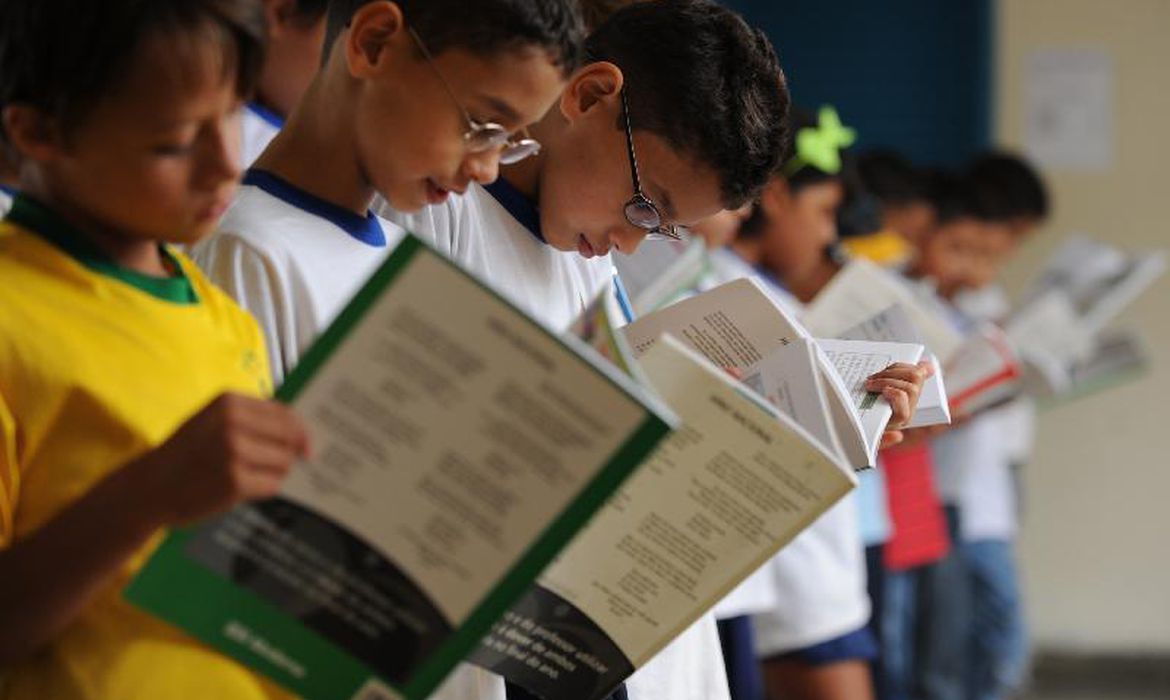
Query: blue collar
pixel 518 205
pixel 274 119
pixel 8 190
pixel 366 229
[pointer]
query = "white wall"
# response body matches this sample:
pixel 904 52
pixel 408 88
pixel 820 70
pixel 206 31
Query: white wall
pixel 1096 546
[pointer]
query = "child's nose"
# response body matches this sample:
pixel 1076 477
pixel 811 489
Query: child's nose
pixel 482 167
pixel 627 237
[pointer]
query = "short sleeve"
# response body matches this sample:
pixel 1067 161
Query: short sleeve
pixel 254 281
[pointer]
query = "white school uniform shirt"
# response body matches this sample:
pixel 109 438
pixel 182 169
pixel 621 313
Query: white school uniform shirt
pixel 819 578
pixel 973 461
pixel 258 126
pixel 294 262
pixel 493 233
pixel 5 200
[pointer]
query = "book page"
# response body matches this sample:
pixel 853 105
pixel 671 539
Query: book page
pixel 790 380
pixel 855 361
pixel 717 499
pixel 862 290
pixel 893 325
pixel 984 370
pixel 457 446
pixel 733 325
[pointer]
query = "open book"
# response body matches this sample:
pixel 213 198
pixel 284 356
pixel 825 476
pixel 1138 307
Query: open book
pixel 459 446
pixel 720 496
pixel 1099 280
pixel 973 371
pixel 862 290
pixel 738 325
pixel 1117 357
pixel 1083 287
pixel 893 325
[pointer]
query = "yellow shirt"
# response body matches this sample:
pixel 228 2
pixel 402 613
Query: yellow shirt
pixel 96 367
pixel 885 247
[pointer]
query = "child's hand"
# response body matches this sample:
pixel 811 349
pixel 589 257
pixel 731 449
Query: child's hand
pixel 236 449
pixel 901 385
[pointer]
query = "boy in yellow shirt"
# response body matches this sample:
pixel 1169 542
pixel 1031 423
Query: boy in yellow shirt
pixel 126 379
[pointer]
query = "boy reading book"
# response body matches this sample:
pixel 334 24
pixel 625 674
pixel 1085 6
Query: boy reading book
pixel 128 383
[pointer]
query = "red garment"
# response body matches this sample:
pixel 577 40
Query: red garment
pixel 916 512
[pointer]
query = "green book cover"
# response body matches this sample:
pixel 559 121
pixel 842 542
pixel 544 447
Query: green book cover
pixel 458 447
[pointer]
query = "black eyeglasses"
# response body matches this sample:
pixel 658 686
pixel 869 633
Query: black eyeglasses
pixel 482 136
pixel 640 210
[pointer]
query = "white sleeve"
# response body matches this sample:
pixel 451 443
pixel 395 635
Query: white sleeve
pixel 254 281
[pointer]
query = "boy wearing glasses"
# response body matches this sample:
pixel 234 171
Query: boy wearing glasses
pixel 416 99
pixel 680 112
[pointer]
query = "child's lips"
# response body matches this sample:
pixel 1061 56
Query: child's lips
pixel 214 210
pixel 584 247
pixel 436 194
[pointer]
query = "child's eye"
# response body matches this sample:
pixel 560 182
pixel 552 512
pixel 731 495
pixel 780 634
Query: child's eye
pixel 174 149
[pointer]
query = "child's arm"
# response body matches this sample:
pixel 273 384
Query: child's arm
pixel 901 385
pixel 236 449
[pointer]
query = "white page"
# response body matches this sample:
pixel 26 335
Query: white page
pixel 1099 280
pixel 855 361
pixel 861 290
pixel 736 325
pixel 790 380
pixel 733 325
pixel 984 370
pixel 893 325
pixel 1048 331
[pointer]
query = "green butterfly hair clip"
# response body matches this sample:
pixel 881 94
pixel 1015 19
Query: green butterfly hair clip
pixel 821 146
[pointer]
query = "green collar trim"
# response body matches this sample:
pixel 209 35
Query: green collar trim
pixel 39 219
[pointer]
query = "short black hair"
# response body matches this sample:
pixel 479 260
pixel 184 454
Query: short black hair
pixel 595 12
pixel 311 11
pixel 63 56
pixel 699 77
pixel 955 195
pixel 891 178
pixel 483 27
pixel 1015 185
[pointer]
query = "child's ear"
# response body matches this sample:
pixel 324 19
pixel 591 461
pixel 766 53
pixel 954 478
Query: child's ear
pixel 775 196
pixel 596 84
pixel 374 30
pixel 32 133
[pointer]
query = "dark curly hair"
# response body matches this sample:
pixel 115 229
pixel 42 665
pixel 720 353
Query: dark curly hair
pixel 699 77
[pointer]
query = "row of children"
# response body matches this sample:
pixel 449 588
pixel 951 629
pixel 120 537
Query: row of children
pixel 931 531
pixel 132 387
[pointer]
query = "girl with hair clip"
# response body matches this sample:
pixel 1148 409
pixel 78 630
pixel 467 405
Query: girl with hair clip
pixel 816 644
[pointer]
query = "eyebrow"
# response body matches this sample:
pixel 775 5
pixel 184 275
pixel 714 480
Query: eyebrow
pixel 506 111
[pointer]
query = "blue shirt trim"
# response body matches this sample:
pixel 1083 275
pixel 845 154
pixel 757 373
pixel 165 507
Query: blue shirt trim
pixel 518 205
pixel 623 297
pixel 9 190
pixel 367 229
pixel 266 114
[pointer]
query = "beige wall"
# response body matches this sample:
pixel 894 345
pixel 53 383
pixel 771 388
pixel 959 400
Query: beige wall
pixel 1096 546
